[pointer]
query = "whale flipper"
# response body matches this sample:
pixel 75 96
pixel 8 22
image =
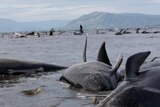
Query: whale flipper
pixel 117 65
pixel 102 55
pixel 133 64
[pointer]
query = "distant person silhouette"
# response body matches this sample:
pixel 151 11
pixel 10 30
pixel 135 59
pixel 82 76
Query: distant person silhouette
pixel 81 29
pixel 51 32
pixel 137 30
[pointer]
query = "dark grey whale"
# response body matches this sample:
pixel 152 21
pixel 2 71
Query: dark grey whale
pixel 93 76
pixel 149 64
pixel 139 88
pixel 153 63
pixel 10 67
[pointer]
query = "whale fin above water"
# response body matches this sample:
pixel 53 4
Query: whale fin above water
pixel 85 50
pixel 117 65
pixel 133 64
pixel 102 55
pixel 154 59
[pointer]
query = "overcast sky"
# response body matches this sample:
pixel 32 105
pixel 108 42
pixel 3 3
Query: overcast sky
pixel 35 10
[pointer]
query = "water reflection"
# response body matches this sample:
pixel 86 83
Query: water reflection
pixel 12 80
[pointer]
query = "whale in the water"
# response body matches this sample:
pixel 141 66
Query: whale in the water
pixel 149 64
pixel 139 88
pixel 11 66
pixel 93 76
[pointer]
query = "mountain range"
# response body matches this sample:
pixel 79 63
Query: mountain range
pixel 94 20
pixel 112 20
pixel 7 25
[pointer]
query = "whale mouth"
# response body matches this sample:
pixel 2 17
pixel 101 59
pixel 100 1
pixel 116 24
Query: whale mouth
pixel 63 79
pixel 77 86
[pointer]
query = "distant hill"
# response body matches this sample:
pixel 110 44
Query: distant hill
pixel 94 20
pixel 112 20
pixel 7 25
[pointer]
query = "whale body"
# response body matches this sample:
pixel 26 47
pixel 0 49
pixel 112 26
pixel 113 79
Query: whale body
pixel 11 66
pixel 94 76
pixel 140 88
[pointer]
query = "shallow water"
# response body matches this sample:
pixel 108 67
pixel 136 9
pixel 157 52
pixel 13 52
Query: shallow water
pixel 63 50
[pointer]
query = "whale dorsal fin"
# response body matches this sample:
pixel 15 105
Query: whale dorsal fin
pixel 102 55
pixel 154 59
pixel 84 51
pixel 133 64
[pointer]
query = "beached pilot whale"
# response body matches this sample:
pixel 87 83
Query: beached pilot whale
pixel 10 67
pixel 139 88
pixel 93 76
pixel 149 64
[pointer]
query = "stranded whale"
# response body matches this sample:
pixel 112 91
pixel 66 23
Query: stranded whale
pixel 94 76
pixel 149 64
pixel 10 67
pixel 140 88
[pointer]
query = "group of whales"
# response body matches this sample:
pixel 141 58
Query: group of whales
pixel 140 87
pixel 137 86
